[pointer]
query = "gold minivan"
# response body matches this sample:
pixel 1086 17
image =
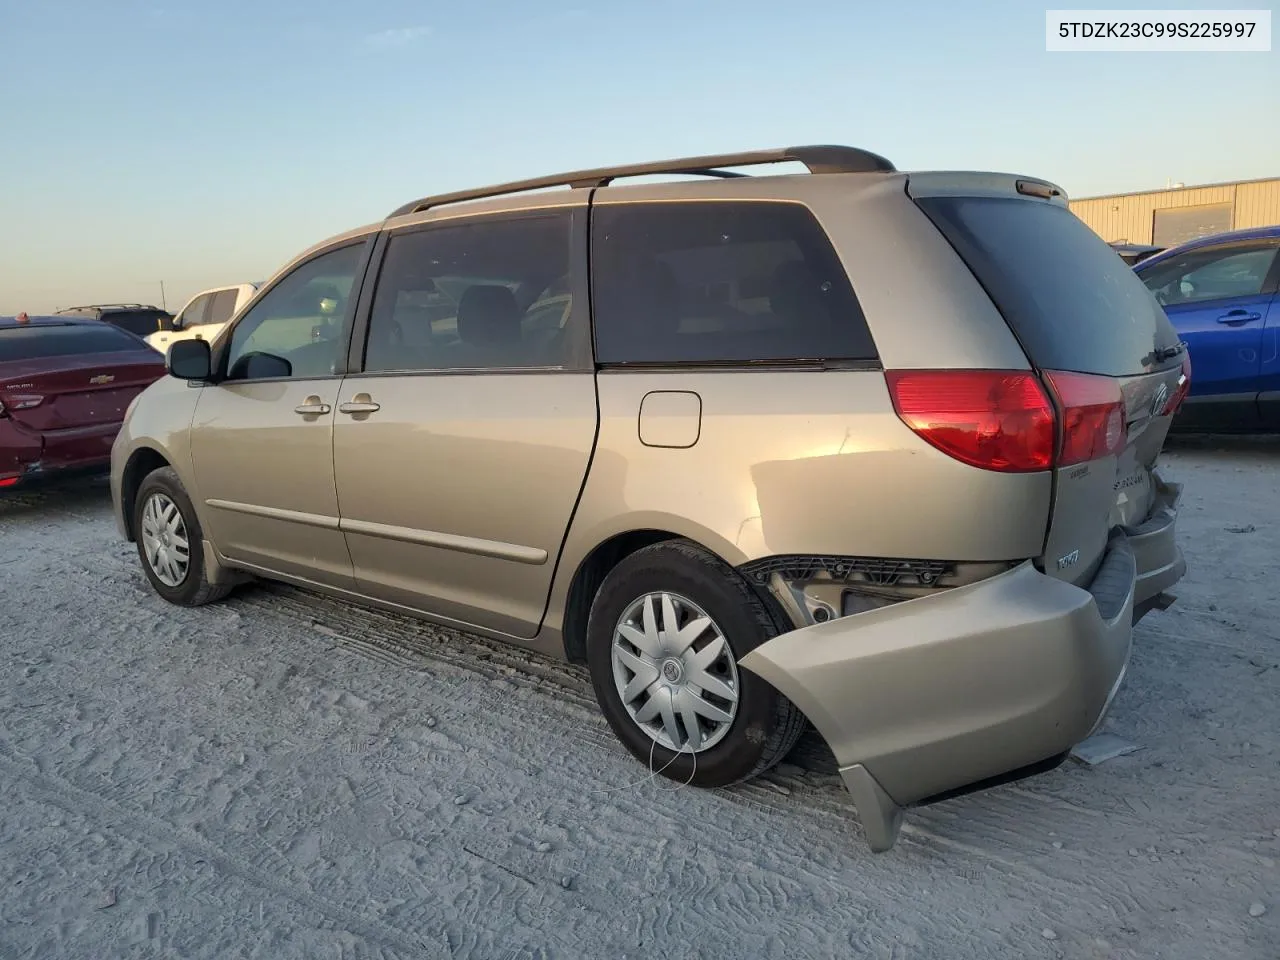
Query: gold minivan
pixel 867 449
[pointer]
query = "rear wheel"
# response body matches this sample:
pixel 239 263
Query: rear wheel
pixel 664 638
pixel 170 541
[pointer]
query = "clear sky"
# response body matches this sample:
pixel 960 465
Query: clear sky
pixel 206 143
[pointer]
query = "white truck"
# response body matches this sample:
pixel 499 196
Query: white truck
pixel 205 315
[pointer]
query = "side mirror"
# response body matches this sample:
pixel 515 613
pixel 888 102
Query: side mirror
pixel 260 366
pixel 190 360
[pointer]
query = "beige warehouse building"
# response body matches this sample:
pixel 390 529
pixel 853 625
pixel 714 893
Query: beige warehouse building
pixel 1167 217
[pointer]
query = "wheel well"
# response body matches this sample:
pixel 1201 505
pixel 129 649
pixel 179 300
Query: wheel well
pixel 140 464
pixel 590 575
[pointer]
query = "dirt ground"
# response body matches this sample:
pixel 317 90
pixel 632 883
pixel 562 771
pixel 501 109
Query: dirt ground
pixel 283 776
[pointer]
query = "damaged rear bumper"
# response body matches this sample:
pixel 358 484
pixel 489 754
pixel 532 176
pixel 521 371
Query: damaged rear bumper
pixel 927 697
pixel 1155 548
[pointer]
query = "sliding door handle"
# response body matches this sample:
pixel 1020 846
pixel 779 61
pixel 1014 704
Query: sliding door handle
pixel 312 407
pixel 360 403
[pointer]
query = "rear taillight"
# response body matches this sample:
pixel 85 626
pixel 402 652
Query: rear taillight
pixel 9 481
pixel 1004 420
pixel 994 419
pixel 1092 416
pixel 1181 390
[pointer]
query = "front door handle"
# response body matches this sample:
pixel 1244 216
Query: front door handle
pixel 313 406
pixel 1238 316
pixel 360 403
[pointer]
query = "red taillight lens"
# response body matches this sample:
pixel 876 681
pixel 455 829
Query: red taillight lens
pixel 1093 423
pixel 9 481
pixel 994 419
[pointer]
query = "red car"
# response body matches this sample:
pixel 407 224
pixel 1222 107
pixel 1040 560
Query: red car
pixel 65 384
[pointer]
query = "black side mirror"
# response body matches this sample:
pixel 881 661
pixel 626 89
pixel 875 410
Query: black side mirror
pixel 260 366
pixel 190 360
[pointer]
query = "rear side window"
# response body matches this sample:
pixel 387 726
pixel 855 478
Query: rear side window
pixel 720 282
pixel 138 322
pixel 39 342
pixel 1072 303
pixel 492 293
pixel 222 306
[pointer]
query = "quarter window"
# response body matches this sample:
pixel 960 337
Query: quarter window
pixel 138 322
pixel 720 282
pixel 297 328
pixel 492 293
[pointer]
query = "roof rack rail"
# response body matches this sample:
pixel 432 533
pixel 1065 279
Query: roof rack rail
pixel 114 306
pixel 822 158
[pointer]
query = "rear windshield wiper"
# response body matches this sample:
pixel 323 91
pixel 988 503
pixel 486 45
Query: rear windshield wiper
pixel 1161 354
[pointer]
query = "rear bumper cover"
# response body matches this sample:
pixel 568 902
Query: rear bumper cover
pixel 29 457
pixel 1155 548
pixel 928 696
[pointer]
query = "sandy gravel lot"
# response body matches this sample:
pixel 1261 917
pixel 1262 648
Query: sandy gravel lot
pixel 283 776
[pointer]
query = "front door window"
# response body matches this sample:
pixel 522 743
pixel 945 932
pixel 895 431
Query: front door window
pixel 297 329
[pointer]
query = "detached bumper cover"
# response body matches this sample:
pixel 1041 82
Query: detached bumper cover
pixel 932 695
pixel 1155 549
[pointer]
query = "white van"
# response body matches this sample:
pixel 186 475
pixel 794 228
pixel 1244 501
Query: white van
pixel 205 315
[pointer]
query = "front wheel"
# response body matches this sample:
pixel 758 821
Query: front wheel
pixel 170 542
pixel 664 638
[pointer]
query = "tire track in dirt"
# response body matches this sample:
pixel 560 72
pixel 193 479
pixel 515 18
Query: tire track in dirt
pixel 502 857
pixel 263 868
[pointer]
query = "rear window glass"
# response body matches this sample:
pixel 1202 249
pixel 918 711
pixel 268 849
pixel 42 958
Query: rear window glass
pixel 720 282
pixel 38 342
pixel 1072 303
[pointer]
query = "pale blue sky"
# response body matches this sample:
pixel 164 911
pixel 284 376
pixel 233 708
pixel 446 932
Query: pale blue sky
pixel 206 143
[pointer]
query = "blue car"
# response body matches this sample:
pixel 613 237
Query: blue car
pixel 1221 294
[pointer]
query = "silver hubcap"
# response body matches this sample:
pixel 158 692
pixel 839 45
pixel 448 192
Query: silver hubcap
pixel 675 672
pixel 164 540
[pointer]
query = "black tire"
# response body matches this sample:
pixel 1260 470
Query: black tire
pixel 767 724
pixel 194 590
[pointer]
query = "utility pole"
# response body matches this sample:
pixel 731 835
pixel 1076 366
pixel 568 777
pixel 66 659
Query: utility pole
pixel 163 304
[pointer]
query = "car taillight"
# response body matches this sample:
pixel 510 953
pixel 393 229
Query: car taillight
pixel 1004 420
pixel 1181 390
pixel 994 419
pixel 1092 409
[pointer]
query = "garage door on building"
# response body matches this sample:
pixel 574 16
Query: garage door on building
pixel 1174 225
